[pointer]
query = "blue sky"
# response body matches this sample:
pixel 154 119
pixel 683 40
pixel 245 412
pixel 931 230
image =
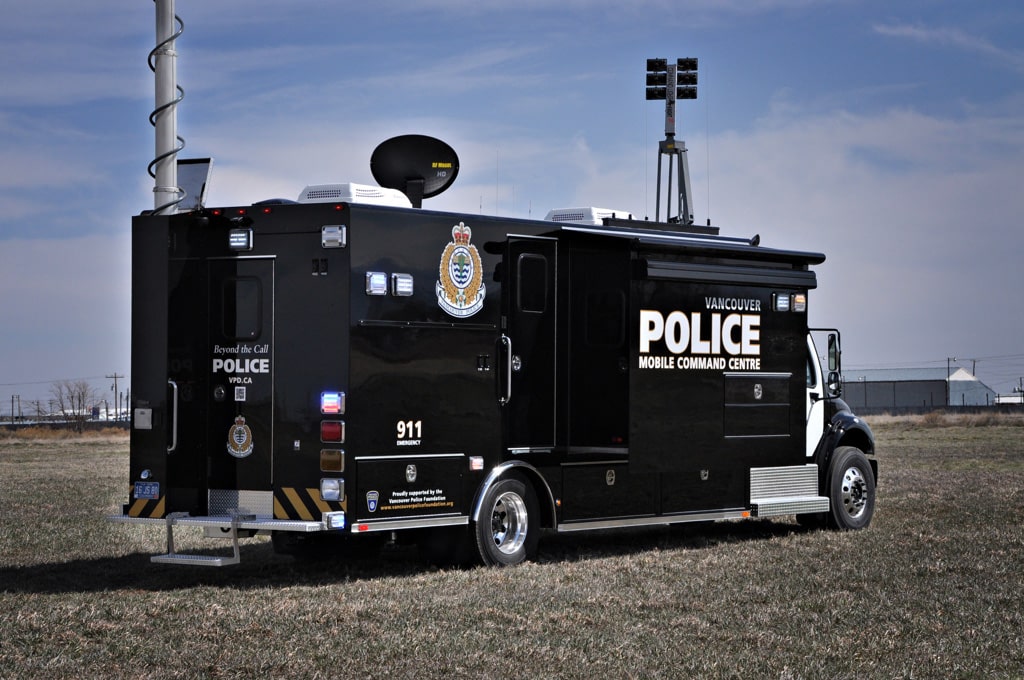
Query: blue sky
pixel 889 136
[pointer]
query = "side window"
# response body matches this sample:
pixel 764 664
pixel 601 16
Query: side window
pixel 811 373
pixel 242 305
pixel 532 276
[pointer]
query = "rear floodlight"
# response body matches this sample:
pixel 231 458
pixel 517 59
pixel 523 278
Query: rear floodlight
pixel 417 165
pixel 240 239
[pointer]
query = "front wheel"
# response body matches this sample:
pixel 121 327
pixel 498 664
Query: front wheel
pixel 507 532
pixel 851 489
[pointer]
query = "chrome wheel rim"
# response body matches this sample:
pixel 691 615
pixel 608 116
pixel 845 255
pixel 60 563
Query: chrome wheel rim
pixel 508 523
pixel 854 492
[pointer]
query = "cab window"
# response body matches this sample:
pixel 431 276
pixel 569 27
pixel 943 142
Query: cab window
pixel 811 373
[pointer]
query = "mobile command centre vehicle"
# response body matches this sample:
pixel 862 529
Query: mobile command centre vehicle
pixel 336 368
pixel 336 373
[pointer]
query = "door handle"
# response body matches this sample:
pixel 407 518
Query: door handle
pixel 174 416
pixel 507 344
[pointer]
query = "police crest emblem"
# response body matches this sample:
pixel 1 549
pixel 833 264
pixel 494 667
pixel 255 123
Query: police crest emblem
pixel 460 287
pixel 240 439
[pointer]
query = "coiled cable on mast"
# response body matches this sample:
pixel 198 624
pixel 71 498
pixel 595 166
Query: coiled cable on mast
pixel 165 48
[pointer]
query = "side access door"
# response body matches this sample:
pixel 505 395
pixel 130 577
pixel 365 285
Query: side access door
pixel 526 381
pixel 221 346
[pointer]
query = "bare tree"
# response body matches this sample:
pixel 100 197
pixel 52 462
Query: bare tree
pixel 74 400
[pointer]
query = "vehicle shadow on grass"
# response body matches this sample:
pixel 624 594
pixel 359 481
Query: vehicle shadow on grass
pixel 260 567
pixel 599 544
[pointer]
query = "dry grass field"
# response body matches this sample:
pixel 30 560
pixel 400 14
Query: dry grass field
pixel 932 589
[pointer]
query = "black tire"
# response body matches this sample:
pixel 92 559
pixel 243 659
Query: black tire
pixel 851 490
pixel 507 532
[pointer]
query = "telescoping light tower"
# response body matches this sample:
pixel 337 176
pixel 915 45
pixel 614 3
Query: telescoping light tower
pixel 671 82
pixel 162 61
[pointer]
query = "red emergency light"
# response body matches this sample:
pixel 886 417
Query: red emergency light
pixel 332 431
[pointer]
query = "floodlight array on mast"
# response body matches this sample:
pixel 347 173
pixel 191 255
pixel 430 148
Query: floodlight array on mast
pixel 671 82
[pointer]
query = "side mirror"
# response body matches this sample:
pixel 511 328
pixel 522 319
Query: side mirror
pixel 835 384
pixel 833 354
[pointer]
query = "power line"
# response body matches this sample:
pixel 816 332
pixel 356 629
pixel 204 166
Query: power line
pixel 50 382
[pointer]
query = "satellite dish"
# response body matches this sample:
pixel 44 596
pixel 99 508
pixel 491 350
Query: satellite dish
pixel 417 165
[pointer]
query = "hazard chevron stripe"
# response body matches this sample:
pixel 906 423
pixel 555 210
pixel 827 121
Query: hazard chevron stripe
pixel 303 504
pixel 289 503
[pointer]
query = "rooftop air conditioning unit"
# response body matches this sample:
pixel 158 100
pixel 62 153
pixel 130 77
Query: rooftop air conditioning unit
pixel 350 192
pixel 595 216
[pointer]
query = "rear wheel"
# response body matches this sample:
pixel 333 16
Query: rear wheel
pixel 851 489
pixel 507 532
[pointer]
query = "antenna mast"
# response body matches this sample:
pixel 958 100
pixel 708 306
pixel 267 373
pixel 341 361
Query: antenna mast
pixel 671 82
pixel 163 62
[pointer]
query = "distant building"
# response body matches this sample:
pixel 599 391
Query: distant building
pixel 897 389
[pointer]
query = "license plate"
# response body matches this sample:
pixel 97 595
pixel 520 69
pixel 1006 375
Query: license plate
pixel 148 490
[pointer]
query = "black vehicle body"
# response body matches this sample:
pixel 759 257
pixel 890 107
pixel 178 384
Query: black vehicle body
pixel 354 370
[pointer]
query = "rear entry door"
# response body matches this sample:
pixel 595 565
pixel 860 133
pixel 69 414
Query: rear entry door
pixel 222 363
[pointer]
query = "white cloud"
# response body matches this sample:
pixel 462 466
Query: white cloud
pixel 917 215
pixel 956 38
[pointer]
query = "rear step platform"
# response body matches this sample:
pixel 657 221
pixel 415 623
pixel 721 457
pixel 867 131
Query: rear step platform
pixel 237 524
pixel 172 557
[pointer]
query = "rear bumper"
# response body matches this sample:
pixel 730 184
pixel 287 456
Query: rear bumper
pixel 224 523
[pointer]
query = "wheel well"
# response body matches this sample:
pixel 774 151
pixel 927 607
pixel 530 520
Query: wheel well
pixel 528 475
pixel 860 439
pixel 545 500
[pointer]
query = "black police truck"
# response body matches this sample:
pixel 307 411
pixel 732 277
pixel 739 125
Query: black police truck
pixel 336 372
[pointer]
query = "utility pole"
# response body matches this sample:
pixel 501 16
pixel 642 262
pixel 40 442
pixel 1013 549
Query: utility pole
pixel 948 396
pixel 113 388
